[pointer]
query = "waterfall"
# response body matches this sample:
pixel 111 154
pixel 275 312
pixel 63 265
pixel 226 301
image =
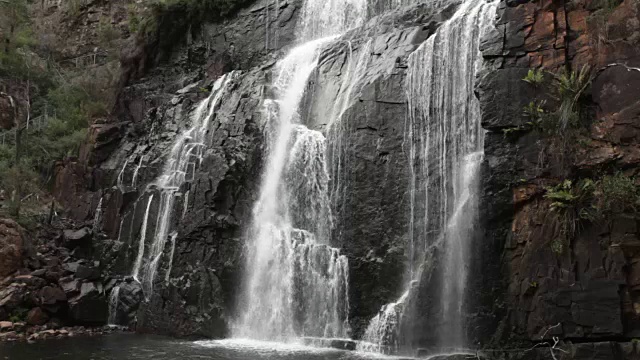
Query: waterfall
pixel 136 171
pixel 296 284
pixel 141 243
pixel 185 157
pixel 97 219
pixel 446 148
pixel 113 306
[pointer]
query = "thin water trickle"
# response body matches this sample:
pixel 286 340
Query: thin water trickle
pixel 185 156
pixel 141 243
pixel 97 219
pixel 114 299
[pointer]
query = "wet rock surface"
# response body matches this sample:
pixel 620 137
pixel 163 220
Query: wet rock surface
pixel 529 292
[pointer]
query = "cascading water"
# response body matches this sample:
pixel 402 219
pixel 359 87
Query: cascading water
pixel 185 157
pixel 446 144
pixel 296 283
pixel 114 299
pixel 97 219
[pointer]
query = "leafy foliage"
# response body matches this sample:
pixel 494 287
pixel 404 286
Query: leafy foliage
pixel 572 204
pixel 18 179
pixel 63 106
pixel 590 200
pixel 168 20
pixel 618 193
pixel 570 87
pixel 19 314
pixel 534 77
pixel 107 33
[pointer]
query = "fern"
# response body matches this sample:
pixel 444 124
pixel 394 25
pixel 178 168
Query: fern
pixel 534 77
pixel 570 87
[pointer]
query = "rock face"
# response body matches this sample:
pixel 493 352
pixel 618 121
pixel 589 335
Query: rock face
pixel 531 291
pixel 195 288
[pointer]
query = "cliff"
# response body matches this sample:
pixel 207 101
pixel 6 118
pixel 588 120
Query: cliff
pixel 557 255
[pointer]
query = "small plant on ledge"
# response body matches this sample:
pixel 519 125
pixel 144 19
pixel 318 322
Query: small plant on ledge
pixel 534 77
pixel 572 204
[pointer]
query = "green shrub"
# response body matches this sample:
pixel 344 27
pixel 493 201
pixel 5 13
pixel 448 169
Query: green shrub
pixel 534 77
pixel 134 19
pixel 570 87
pixel 18 315
pixel 107 34
pixel 168 21
pixel 618 193
pixel 572 203
pixel 18 180
pixel 557 246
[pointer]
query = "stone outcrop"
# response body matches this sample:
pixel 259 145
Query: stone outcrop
pixel 50 282
pixel 13 246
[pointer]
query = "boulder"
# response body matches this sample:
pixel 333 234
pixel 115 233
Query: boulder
pixel 39 272
pixel 6 326
pixel 71 268
pixel 12 296
pixel 130 297
pixel 70 286
pixel 87 272
pixel 37 316
pixel 12 243
pixel 30 281
pixel 90 307
pixel 74 238
pixel 50 295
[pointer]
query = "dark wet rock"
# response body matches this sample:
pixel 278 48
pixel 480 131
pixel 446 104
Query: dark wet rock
pixel 51 295
pixel 70 286
pixel 87 272
pixel 37 316
pixel 39 272
pixel 90 306
pixel 130 296
pixel 340 344
pixel 74 238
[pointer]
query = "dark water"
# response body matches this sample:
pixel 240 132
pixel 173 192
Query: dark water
pixel 141 347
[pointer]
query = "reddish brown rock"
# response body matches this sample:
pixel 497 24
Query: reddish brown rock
pixel 12 243
pixel 7 112
pixel 50 295
pixel 37 316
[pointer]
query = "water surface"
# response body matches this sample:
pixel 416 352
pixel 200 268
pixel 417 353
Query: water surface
pixel 145 347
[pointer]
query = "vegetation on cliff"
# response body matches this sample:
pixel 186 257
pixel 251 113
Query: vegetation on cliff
pixel 50 109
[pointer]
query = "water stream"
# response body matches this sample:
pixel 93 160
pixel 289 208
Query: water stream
pixel 180 166
pixel 446 144
pixel 297 283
